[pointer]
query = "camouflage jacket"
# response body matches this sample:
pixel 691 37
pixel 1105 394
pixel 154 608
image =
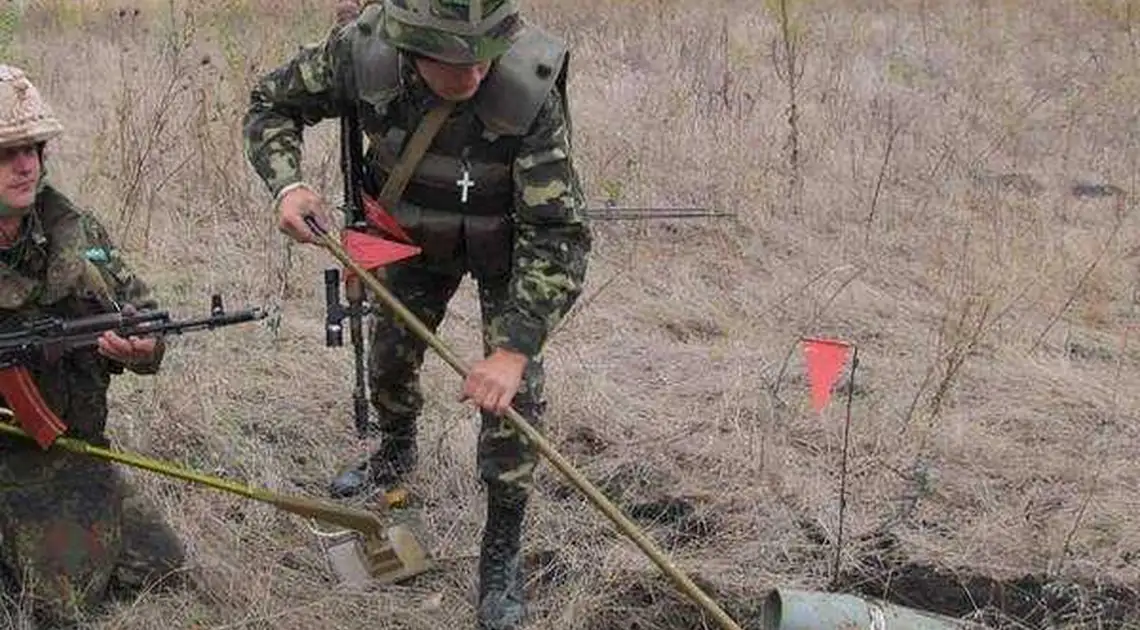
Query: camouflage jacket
pixel 65 265
pixel 547 254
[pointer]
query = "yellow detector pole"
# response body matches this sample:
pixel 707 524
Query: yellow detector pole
pixel 363 521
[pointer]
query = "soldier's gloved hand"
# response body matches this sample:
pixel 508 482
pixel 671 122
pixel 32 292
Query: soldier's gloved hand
pixel 493 382
pixel 297 203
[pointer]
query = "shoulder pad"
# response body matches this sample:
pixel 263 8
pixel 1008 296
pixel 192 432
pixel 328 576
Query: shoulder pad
pixel 517 87
pixel 375 64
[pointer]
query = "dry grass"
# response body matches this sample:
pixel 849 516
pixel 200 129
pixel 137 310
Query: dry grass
pixel 928 215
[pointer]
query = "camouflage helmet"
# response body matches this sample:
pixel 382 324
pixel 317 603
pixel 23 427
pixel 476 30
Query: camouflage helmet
pixel 453 31
pixel 24 116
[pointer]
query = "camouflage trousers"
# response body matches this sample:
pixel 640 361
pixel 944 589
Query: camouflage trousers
pixel 73 535
pixel 396 354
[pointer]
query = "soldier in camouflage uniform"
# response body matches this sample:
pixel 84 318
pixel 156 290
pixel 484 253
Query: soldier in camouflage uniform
pixel 71 531
pixel 520 229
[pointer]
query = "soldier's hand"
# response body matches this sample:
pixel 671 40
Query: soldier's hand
pixel 128 351
pixel 493 382
pixel 297 204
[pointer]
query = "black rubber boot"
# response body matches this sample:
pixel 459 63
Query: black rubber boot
pixel 386 467
pixel 501 596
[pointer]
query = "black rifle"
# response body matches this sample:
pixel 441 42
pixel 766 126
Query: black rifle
pixel 47 338
pixel 50 335
pixel 352 172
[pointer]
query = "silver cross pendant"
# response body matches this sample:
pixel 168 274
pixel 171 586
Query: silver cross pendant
pixel 466 183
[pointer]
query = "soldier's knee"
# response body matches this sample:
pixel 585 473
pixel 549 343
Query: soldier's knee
pixel 514 478
pixel 507 496
pixel 505 456
pixel 396 404
pixel 165 551
pixel 396 362
pixel 152 554
pixel 157 563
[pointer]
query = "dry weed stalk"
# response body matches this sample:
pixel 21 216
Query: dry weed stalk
pixel 788 60
pixel 893 131
pixel 1122 213
pixel 962 328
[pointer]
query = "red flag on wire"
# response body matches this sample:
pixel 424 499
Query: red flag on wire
pixel 374 213
pixel 372 252
pixel 824 359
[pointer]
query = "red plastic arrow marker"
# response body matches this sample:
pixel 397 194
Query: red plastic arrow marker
pixel 374 213
pixel 372 252
pixel 825 359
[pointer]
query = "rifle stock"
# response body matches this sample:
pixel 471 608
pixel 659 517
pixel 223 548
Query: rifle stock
pixel 21 393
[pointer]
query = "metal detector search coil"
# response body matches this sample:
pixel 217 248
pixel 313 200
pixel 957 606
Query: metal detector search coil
pixel 355 561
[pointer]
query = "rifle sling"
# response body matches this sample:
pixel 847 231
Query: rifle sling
pixel 412 153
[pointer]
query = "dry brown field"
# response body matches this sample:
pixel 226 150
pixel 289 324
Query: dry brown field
pixel 951 186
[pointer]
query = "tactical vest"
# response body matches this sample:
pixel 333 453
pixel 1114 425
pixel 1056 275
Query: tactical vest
pixel 476 147
pixel 44 275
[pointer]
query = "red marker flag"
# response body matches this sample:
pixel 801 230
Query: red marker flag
pixel 371 252
pixel 374 213
pixel 824 359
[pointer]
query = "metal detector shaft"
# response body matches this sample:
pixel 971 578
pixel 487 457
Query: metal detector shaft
pixel 362 521
pixel 628 527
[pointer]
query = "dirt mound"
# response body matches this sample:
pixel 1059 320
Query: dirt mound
pixel 641 602
pixel 1032 601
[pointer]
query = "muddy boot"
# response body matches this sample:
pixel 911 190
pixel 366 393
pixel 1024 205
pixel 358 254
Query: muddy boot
pixel 501 605
pixel 385 468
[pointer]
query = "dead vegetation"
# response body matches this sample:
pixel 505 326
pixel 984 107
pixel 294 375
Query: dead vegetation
pixel 954 191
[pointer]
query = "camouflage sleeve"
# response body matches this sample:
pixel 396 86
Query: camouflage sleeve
pixel 552 235
pixel 300 93
pixel 111 277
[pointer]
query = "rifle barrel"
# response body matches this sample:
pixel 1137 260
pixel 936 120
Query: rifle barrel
pixel 189 325
pixel 109 321
pixel 629 214
pixel 53 334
